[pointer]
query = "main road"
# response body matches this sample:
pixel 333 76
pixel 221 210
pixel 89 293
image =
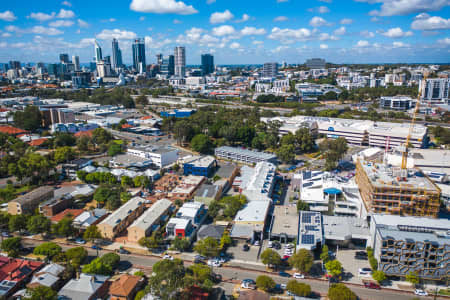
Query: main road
pixel 236 275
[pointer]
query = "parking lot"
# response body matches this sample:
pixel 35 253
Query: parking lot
pixel 239 254
pixel 351 264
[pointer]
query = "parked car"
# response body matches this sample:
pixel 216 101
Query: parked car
pixel 372 285
pixel 123 251
pixel 245 247
pixel 364 271
pixel 277 245
pixel 167 256
pixel 284 274
pixel 256 243
pixel 248 284
pixel 5 234
pixel 285 257
pixel 214 263
pixel 361 255
pixel 298 276
pixel 80 241
pixel 420 292
pixel 95 247
pixel 200 257
pixel 270 244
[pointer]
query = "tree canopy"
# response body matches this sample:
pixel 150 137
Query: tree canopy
pixel 340 291
pixel 302 260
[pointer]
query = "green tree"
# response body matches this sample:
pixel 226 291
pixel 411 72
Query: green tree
pixel 101 136
pixel 167 279
pixel 49 249
pixel 181 244
pixel 114 149
pixel 302 260
pixel 379 276
pixel 63 154
pixel 201 143
pixel 29 119
pixel 324 256
pixel 373 262
pixel 298 288
pixel 334 268
pixel 41 292
pixel 126 181
pixel 413 278
pixel 141 100
pixel 76 256
pixel 286 153
pixel 111 259
pixel 302 205
pixel 97 267
pixel 92 233
pixel 151 242
pixel 38 224
pixel 225 240
pixel 340 291
pixel 63 227
pixel 304 140
pixel 265 283
pixel 11 246
pixel 62 139
pixel 333 150
pixel 270 258
pixel 208 247
pixel 17 223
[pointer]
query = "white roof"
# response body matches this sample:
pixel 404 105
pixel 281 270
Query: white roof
pixel 253 211
pixel 179 223
pixel 123 211
pixel 391 220
pixel 149 217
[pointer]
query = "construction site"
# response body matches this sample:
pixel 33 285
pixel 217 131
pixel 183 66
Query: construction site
pixel 397 191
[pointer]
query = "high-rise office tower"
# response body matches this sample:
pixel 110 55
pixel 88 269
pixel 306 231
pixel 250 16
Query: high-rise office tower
pixel 270 70
pixel 107 59
pixel 139 55
pixel 98 52
pixel 76 62
pixel 167 65
pixel 159 58
pixel 435 90
pixel 14 64
pixel 116 55
pixel 207 64
pixel 64 58
pixel 180 61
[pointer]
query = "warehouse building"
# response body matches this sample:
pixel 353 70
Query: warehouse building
pixel 243 155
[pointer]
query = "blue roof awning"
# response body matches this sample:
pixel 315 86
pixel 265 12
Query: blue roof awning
pixel 332 191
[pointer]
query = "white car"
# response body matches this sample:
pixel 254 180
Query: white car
pixel 366 272
pixel 214 263
pixel 298 276
pixel 80 241
pixel 270 244
pixel 167 256
pixel 256 243
pixel 288 246
pixel 419 292
pixel 248 284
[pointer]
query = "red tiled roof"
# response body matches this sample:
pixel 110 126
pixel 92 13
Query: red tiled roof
pixel 127 125
pixel 11 130
pixel 87 133
pixel 3 109
pixel 37 142
pixel 65 213
pixel 18 269
pixel 146 118
pixel 124 285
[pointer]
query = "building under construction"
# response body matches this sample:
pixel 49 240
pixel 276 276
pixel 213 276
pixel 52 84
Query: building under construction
pixel 392 190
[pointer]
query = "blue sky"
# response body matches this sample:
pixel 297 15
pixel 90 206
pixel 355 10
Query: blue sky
pixel 236 32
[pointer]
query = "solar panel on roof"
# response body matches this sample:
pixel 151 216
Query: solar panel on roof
pixel 308 239
pixel 311 228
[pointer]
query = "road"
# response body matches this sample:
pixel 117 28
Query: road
pixel 236 275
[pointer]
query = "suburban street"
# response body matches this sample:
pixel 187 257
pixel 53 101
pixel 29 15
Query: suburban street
pixel 234 275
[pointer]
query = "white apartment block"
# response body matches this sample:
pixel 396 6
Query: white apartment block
pixel 160 156
pixel 436 90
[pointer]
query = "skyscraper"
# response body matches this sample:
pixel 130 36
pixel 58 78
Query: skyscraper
pixel 159 58
pixel 180 61
pixel 270 70
pixel 139 55
pixel 207 64
pixel 167 65
pixel 64 58
pixel 14 64
pixel 116 55
pixel 98 52
pixel 76 62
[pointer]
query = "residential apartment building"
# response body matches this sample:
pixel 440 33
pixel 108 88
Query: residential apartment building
pixel 121 218
pixel 390 190
pixel 270 70
pixel 161 156
pixel 315 63
pixel 401 103
pixel 436 90
pixel 243 155
pixel 199 165
pixel 256 183
pixel 411 244
pixel 149 221
pixel 26 204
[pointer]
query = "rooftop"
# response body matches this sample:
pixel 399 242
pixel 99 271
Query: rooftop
pixel 200 161
pixel 310 229
pixel 207 190
pixel 247 152
pixel 36 193
pixel 122 212
pixel 285 220
pixel 253 211
pixel 151 215
pixel 344 228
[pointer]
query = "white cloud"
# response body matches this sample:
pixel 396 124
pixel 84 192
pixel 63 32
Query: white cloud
pixel 318 21
pixel 367 34
pixel 176 21
pixel 6 34
pixel 163 7
pixel 82 23
pixel 61 23
pixel 235 45
pixel 279 49
pixel 244 18
pixel 326 37
pixel 340 31
pixel 445 41
pixel 362 44
pixel 45 30
pixel 320 9
pixel 323 46
pixel 252 31
pixel 257 42
pixel 41 16
pixel 346 21
pixel 221 17
pixel 108 34
pixel 426 22
pixel 397 32
pixel 65 14
pixel 280 19
pixel 66 3
pixel 142 18
pixel 223 30
pixel 288 35
pixel 7 16
pixel 405 7
pixel 399 45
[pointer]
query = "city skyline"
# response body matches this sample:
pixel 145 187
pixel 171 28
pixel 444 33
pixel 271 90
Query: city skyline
pixel 353 31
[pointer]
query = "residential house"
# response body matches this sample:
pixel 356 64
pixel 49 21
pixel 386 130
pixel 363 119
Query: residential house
pixel 208 193
pixel 86 287
pixel 90 217
pixel 48 276
pixel 194 211
pixel 125 287
pixel 14 273
pixel 210 230
pixel 70 168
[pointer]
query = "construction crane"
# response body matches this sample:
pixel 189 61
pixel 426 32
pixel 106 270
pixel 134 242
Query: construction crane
pixel 411 127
